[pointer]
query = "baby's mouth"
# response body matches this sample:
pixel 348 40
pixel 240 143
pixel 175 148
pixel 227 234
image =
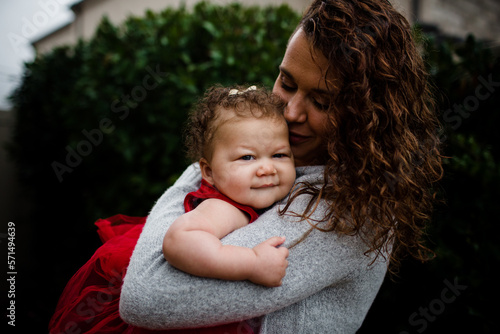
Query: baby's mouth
pixel 266 185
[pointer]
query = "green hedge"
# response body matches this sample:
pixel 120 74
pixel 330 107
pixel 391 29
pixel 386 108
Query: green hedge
pixel 99 132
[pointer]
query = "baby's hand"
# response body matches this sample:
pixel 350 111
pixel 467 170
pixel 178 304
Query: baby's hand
pixel 271 264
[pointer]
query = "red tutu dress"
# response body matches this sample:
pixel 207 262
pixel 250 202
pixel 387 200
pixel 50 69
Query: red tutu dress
pixel 90 300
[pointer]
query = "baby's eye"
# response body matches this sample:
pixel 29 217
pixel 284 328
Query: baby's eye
pixel 280 155
pixel 246 157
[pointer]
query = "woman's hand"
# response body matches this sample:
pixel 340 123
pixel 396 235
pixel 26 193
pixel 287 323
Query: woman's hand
pixel 271 263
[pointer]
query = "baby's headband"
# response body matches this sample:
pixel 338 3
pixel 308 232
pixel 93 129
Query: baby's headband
pixel 236 91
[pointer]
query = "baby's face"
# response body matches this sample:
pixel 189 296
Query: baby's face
pixel 252 162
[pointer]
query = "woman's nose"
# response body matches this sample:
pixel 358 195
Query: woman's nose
pixel 295 111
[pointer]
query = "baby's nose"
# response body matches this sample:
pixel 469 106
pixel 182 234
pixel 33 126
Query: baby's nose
pixel 266 169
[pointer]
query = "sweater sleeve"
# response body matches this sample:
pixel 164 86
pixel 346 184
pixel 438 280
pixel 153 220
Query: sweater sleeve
pixel 157 296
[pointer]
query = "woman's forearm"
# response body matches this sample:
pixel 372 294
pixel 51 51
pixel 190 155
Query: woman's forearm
pixel 161 297
pixel 158 296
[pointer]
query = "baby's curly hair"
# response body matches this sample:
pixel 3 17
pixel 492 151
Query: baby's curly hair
pixel 221 104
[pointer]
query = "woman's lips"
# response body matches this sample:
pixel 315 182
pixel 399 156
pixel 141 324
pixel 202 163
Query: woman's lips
pixel 296 139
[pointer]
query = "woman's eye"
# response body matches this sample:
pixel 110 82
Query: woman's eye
pixel 246 157
pixel 320 106
pixel 286 86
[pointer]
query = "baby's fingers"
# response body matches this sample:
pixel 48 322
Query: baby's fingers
pixel 284 251
pixel 275 241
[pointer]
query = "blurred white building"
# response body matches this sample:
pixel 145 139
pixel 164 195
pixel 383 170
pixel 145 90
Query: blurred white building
pixel 88 14
pixel 455 18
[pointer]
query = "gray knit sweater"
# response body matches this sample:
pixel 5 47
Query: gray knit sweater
pixel 328 288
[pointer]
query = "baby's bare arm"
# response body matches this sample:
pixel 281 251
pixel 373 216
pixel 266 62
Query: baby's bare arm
pixel 192 244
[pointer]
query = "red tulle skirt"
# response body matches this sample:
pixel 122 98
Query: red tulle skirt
pixel 89 303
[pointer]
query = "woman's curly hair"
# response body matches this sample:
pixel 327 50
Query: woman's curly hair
pixel 382 141
pixel 217 106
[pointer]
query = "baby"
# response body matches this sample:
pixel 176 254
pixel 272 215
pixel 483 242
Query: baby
pixel 240 139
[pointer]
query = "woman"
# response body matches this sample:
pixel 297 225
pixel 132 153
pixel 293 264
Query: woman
pixel 363 134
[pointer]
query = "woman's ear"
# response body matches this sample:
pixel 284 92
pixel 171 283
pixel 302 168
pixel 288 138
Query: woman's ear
pixel 206 171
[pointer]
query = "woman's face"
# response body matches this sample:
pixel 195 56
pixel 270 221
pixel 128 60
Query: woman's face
pixel 301 84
